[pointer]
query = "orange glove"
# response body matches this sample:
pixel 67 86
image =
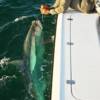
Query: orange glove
pixel 44 9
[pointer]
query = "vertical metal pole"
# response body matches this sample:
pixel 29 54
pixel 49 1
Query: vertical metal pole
pixel 71 81
pixel 70 44
pixel 70 19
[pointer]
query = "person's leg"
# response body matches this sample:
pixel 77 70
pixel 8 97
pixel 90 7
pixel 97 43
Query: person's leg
pixel 85 6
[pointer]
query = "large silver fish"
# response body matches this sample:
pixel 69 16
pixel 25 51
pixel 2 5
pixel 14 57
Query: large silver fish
pixel 34 49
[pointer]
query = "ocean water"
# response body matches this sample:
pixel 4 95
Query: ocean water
pixel 12 35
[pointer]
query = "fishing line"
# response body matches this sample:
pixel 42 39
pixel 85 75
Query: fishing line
pixel 42 18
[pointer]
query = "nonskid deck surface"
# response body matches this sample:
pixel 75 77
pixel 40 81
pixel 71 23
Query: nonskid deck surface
pixel 77 58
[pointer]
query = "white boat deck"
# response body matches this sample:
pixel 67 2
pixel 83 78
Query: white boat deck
pixel 76 74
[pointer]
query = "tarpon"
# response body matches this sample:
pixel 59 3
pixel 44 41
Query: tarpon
pixel 34 49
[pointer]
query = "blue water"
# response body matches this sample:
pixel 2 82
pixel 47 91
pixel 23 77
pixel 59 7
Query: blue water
pixel 12 34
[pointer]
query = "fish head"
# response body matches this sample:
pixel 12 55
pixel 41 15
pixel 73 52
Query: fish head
pixel 37 26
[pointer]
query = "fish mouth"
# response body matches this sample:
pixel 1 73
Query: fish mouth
pixel 37 25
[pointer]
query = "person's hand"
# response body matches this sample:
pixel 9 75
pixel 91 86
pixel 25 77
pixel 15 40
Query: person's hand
pixel 44 9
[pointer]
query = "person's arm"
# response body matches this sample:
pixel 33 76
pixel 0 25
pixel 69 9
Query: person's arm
pixel 44 9
pixel 58 7
pixel 97 5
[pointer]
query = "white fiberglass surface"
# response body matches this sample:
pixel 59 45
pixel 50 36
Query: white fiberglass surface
pixel 81 56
